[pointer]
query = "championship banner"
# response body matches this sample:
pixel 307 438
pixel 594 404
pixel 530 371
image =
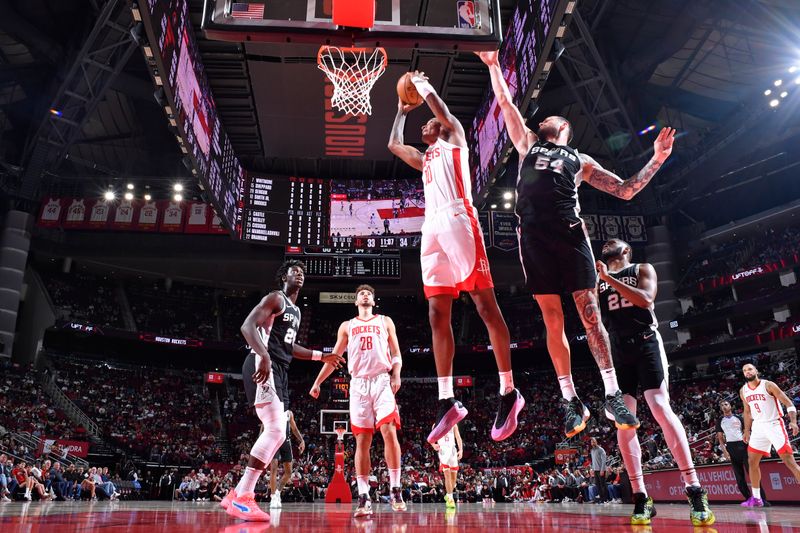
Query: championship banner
pixel 76 213
pixel 50 214
pixel 199 217
pixel 592 227
pixel 720 482
pixel 611 227
pixel 634 229
pixel 504 231
pixel 123 218
pixel 337 297
pixel 172 215
pixel 61 448
pixel 565 455
pixel 483 220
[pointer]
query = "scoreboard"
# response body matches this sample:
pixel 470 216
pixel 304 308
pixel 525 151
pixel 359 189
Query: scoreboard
pixel 329 262
pixel 285 211
pixel 382 242
pixel 340 389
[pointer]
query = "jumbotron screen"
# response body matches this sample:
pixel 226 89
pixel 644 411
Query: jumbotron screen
pixel 376 208
pixel 193 107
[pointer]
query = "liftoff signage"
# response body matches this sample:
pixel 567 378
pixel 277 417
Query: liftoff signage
pixel 778 482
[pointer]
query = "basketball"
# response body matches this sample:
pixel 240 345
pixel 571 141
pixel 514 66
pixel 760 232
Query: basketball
pixel 406 91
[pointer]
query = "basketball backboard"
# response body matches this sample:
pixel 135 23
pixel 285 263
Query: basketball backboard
pixel 440 24
pixel 330 419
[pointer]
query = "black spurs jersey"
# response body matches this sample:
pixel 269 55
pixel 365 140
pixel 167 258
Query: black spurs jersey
pixel 283 333
pixel 547 186
pixel 621 317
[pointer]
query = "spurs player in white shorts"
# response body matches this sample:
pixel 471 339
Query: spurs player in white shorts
pixel 764 427
pixel 453 257
pixel 451 449
pixel 374 363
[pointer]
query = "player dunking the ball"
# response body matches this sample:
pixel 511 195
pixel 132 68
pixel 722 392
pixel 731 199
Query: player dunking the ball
pixel 627 300
pixel 764 428
pixel 270 329
pixel 453 257
pixel 374 363
pixel 554 247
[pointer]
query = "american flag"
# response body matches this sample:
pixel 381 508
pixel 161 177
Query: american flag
pixel 241 10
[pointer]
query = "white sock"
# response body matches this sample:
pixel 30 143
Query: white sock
pixel 449 494
pixel 394 477
pixel 756 493
pixel 363 484
pixel 247 485
pixel 610 381
pixel 506 382
pixel 445 387
pixel 567 387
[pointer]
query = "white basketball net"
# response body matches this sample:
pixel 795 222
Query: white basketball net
pixel 353 72
pixel 339 433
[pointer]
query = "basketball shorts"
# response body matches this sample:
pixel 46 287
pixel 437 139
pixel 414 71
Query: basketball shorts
pixel 284 454
pixel 556 256
pixel 452 252
pixel 277 386
pixel 640 361
pixel 372 404
pixel 765 435
pixel 448 458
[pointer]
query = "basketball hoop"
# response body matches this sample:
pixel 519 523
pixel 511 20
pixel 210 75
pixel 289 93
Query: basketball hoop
pixel 353 72
pixel 340 432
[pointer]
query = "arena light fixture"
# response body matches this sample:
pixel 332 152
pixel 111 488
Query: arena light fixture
pixel 797 80
pixel 648 129
pixel 109 195
pixel 147 197
pixel 792 69
pixel 777 83
pixel 508 195
pixel 784 94
pixel 774 102
pixel 178 197
pixel 507 205
pixel 493 206
pixel 129 196
pixel 768 92
pixel 130 186
pixel 177 187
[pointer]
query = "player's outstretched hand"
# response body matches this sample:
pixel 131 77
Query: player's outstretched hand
pixel 460 454
pixel 314 392
pixel 301 447
pixel 332 359
pixel 795 429
pixel 663 145
pixel 394 382
pixel 602 269
pixel 263 369
pixel 490 58
pixel 407 108
pixel 746 437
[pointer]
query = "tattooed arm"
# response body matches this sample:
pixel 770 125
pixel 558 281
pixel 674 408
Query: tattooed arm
pixel 596 334
pixel 596 176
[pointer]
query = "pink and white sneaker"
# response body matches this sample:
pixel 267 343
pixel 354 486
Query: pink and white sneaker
pixel 245 508
pixel 226 501
pixel 505 423
pixel 753 502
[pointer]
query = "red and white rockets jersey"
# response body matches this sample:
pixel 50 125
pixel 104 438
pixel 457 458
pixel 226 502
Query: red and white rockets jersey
pixel 368 347
pixel 764 407
pixel 448 442
pixel 445 175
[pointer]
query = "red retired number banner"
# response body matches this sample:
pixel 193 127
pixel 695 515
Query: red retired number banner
pixel 779 484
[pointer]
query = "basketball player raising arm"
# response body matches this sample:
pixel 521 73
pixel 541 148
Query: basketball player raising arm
pixel 554 248
pixel 453 257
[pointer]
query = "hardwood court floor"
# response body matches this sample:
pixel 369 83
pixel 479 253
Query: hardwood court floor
pixel 134 517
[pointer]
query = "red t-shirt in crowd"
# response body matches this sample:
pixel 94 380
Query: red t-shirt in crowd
pixel 20 475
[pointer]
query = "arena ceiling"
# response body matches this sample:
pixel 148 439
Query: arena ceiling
pixel 698 65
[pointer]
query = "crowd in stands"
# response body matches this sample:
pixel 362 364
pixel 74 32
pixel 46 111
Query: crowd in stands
pixel 733 256
pixel 174 309
pixel 80 296
pixel 161 415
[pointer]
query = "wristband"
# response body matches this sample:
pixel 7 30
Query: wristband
pixel 791 409
pixel 424 88
pixel 397 360
pixel 316 355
